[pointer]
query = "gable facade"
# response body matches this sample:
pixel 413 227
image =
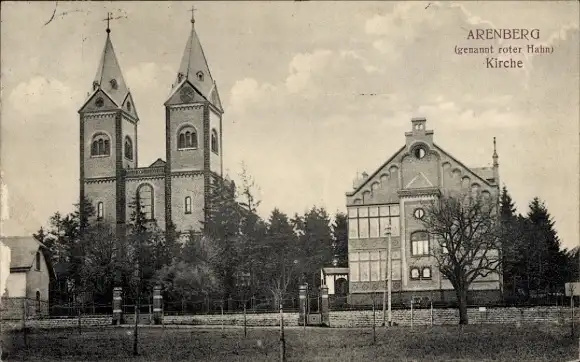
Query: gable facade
pixel 396 195
pixel 30 273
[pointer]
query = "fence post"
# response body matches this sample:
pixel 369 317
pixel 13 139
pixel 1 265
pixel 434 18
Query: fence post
pixel 245 321
pixel 24 332
pixel 324 306
pixel 411 313
pixel 374 321
pixel 117 301
pixel 302 306
pixel 80 327
pixel 431 313
pixel 157 305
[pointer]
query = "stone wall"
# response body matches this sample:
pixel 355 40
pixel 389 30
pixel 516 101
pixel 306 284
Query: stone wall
pixel 418 317
pixel 52 323
pixel 451 316
pixel 252 320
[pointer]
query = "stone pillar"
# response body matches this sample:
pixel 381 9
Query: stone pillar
pixel 324 306
pixel 157 305
pixel 302 306
pixel 117 303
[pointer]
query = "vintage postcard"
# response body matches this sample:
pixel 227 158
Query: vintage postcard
pixel 290 180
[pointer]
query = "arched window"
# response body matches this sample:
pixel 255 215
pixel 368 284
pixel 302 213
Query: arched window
pixel 188 205
pixel 145 193
pixel 214 141
pixel 128 148
pixel 415 273
pixel 200 76
pixel 37 264
pixel 101 145
pixel 419 243
pixel 100 211
pixel 426 273
pixel 187 138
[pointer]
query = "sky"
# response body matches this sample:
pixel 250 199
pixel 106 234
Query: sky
pixel 313 92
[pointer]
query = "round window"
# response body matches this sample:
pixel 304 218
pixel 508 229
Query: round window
pixel 420 152
pixel 99 102
pixel 419 213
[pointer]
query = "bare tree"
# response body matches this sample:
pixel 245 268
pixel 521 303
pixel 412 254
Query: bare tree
pixel 278 286
pixel 465 228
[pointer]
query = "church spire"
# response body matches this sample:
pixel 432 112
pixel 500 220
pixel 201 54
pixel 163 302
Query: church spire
pixel 194 68
pixel 109 76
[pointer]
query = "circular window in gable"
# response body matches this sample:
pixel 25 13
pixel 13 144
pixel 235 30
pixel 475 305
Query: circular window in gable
pixel 419 213
pixel 99 102
pixel 420 152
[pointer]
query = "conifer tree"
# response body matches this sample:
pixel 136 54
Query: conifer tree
pixel 340 238
pixel 546 256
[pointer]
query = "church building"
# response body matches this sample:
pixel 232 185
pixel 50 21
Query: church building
pixel 174 189
pixel 397 194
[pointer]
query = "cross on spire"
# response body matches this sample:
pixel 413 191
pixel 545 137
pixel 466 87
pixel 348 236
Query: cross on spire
pixel 193 9
pixel 108 19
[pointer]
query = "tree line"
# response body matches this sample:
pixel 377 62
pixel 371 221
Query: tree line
pixel 535 265
pixel 236 255
pixel 239 255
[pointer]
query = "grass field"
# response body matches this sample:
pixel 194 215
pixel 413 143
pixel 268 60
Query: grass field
pixel 472 343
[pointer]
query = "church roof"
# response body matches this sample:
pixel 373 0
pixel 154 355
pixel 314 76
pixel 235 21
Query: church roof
pixel 158 163
pixel 485 173
pixel 195 70
pixel 22 250
pixel 109 76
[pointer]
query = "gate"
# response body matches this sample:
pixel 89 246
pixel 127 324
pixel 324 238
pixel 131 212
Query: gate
pixel 314 306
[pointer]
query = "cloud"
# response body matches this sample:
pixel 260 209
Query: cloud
pixel 303 67
pixel 246 93
pixel 145 76
pixel 42 96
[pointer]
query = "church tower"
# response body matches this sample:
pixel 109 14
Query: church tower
pixel 193 131
pixel 108 139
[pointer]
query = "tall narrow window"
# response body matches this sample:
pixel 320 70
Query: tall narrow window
pixel 145 193
pixel 128 148
pixel 100 211
pixel 37 264
pixel 187 138
pixel 188 205
pixel 372 222
pixel 419 243
pixel 100 145
pixel 214 141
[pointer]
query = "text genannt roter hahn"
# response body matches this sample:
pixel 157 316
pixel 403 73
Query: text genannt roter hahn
pixel 504 34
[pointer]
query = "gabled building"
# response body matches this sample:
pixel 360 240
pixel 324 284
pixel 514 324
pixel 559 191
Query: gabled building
pixel 397 194
pixel 173 190
pixel 30 272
